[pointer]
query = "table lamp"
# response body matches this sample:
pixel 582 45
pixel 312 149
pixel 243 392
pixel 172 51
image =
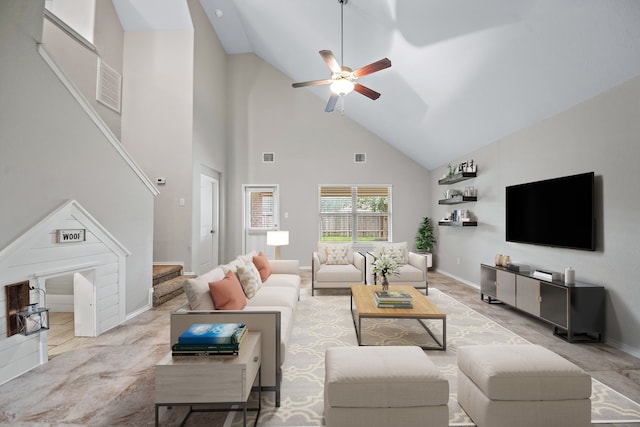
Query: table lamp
pixel 277 239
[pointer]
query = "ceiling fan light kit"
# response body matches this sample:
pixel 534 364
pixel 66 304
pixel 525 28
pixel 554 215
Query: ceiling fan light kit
pixel 342 78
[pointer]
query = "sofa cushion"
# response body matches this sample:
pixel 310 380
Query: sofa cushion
pixel 275 296
pixel 337 249
pixel 283 280
pixel 249 279
pixel 198 292
pixel 407 273
pixel 338 273
pixel 262 264
pixel 227 293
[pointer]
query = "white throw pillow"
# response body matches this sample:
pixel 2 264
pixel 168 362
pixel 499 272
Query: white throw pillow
pixel 198 294
pixel 397 251
pixel 338 251
pixel 249 278
pixel 338 254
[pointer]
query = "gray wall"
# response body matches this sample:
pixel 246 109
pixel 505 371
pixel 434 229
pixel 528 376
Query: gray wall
pixel 45 161
pixel 79 63
pixel 209 118
pixel 601 135
pixel 157 128
pixel 311 148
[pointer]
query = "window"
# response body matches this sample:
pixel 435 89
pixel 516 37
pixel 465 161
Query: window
pixel 261 210
pixel 356 214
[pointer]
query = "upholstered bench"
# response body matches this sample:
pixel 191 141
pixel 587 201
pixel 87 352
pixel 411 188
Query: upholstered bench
pixel 383 386
pixel 522 385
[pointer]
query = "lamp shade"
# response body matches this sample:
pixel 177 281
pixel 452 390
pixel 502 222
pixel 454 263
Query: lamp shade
pixel 342 87
pixel 277 238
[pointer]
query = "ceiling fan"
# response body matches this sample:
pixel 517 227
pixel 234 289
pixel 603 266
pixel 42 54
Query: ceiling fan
pixel 342 78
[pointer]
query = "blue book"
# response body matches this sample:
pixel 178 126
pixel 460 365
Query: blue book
pixel 213 333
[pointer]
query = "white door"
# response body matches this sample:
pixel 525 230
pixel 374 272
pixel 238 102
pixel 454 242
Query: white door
pixel 84 304
pixel 209 211
pixel 260 215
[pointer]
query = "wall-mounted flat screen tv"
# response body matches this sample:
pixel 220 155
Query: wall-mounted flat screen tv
pixel 554 212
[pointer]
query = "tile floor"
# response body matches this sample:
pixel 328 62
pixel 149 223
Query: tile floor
pixel 617 369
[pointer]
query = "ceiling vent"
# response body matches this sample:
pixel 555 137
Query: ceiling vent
pixel 360 158
pixel 268 157
pixel 109 86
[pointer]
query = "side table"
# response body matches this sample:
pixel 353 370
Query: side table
pixel 199 380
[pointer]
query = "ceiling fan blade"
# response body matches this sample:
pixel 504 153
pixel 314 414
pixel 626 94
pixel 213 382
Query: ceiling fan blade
pixel 331 61
pixel 332 102
pixel 373 67
pixel 312 83
pixel 369 93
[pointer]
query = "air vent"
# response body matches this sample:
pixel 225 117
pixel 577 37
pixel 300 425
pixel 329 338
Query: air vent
pixel 268 157
pixel 360 158
pixel 108 86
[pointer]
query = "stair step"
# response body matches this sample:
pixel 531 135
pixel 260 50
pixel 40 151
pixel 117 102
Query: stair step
pixel 162 273
pixel 164 291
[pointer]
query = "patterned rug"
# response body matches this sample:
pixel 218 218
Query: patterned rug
pixel 325 321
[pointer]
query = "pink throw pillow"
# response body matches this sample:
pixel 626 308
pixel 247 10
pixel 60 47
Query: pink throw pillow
pixel 262 264
pixel 227 293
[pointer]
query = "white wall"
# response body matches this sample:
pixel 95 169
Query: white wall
pixel 157 128
pixel 209 117
pixel 601 135
pixel 45 161
pixel 311 148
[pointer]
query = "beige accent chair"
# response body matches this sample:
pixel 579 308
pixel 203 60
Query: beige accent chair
pixel 413 266
pixel 336 266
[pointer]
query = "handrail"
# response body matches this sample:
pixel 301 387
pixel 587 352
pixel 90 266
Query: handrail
pixel 86 106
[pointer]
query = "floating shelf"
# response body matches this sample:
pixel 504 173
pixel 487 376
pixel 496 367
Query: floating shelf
pixel 459 223
pixel 462 176
pixel 458 199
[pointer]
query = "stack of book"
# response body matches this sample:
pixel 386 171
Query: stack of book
pixel 210 339
pixel 393 299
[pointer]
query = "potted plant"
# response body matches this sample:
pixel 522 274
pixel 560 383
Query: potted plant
pixel 425 238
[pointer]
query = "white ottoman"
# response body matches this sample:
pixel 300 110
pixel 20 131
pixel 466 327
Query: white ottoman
pixel 383 386
pixel 522 385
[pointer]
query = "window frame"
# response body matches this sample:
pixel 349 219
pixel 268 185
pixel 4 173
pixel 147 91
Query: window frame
pixel 355 213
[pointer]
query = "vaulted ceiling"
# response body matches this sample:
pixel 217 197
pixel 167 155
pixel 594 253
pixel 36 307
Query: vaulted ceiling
pixel 465 73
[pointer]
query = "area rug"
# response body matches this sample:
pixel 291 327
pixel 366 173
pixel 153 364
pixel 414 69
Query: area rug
pixel 325 321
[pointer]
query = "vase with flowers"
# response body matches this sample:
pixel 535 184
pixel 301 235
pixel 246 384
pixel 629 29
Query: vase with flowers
pixel 384 266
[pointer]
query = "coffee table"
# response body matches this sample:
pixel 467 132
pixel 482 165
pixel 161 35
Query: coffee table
pixel 362 297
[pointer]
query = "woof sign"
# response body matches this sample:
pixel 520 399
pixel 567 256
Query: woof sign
pixel 70 236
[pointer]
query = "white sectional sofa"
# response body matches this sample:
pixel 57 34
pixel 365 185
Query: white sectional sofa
pixel 270 311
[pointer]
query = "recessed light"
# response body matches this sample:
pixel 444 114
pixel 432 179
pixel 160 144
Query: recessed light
pixel 219 13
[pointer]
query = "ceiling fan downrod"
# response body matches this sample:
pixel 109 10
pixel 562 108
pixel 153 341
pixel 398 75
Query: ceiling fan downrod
pixel 342 3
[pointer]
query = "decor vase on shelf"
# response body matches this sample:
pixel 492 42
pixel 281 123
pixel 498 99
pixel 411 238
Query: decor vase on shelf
pixel 385 283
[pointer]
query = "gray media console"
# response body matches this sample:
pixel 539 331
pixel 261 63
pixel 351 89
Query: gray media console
pixel 575 311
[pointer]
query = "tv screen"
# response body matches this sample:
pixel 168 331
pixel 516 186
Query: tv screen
pixel 554 212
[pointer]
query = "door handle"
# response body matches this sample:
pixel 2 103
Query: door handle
pixel 213 231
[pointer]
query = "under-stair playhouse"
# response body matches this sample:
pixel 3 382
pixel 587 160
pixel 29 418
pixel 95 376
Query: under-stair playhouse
pixel 98 259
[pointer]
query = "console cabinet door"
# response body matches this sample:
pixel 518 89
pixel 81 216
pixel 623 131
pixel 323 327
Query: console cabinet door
pixel 528 295
pixel 488 282
pixel 554 304
pixel 506 287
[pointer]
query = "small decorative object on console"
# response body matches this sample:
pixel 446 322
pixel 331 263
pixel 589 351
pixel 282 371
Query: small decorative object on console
pixel 569 276
pixel 547 275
